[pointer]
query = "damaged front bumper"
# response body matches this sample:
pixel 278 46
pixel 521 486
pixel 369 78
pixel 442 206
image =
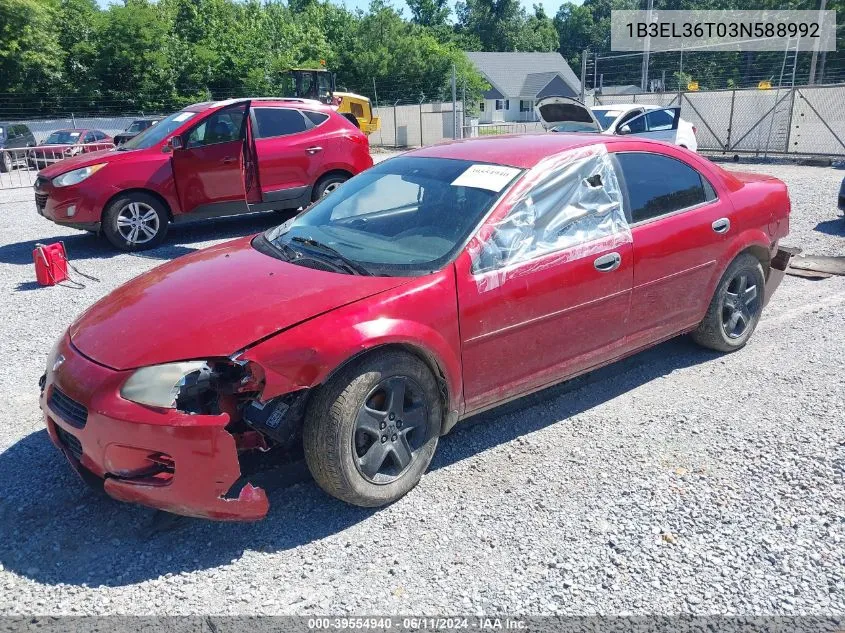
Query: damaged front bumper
pixel 161 458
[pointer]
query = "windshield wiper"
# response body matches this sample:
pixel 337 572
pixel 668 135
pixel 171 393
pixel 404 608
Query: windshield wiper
pixel 351 265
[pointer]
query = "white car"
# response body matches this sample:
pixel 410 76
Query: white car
pixel 564 114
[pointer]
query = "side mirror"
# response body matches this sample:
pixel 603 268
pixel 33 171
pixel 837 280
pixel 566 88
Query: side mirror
pixel 174 143
pixel 625 129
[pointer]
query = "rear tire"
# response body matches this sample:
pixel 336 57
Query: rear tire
pixel 326 185
pixel 135 222
pixel 371 431
pixel 6 163
pixel 735 308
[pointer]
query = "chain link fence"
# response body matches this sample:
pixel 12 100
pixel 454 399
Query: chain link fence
pixel 803 121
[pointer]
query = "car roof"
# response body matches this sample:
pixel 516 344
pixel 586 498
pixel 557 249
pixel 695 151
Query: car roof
pixel 518 150
pixel 310 104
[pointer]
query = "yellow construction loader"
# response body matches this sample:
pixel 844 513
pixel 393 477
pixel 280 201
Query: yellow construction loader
pixel 319 84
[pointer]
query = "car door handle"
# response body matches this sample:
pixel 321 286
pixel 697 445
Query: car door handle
pixel 228 159
pixel 722 225
pixel 608 263
pixel 313 150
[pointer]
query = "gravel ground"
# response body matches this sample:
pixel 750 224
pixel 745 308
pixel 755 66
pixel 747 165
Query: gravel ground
pixel 677 481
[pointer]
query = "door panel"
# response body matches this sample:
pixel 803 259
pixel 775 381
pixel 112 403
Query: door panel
pixel 289 152
pixel 660 125
pixel 544 320
pixel 209 169
pixel 676 249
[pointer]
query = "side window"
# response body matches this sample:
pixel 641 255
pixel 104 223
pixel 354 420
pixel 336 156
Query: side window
pixel 627 117
pixel 279 122
pixel 223 126
pixel 571 205
pixel 315 117
pixel 659 120
pixel 636 124
pixel 658 185
pixel 12 132
pixel 89 137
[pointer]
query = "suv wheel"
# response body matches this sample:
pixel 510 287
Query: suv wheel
pixel 6 163
pixel 326 185
pixel 371 431
pixel 135 222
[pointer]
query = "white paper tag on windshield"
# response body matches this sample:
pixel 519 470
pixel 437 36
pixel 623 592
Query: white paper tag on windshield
pixel 182 116
pixel 490 177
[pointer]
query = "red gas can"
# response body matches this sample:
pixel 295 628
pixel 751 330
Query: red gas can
pixel 50 263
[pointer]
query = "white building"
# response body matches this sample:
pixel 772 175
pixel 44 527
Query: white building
pixel 518 80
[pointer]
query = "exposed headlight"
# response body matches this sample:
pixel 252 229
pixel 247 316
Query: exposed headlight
pixel 191 386
pixel 77 175
pixel 160 385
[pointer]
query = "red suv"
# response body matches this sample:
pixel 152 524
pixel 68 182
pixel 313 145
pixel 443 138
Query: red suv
pixel 209 160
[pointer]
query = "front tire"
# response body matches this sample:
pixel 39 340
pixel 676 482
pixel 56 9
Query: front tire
pixel 135 222
pixel 6 163
pixel 371 431
pixel 735 308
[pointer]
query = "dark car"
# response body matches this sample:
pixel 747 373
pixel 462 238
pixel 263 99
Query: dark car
pixel 842 196
pixel 135 128
pixel 14 138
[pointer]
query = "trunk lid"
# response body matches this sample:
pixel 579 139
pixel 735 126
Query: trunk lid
pixel 567 113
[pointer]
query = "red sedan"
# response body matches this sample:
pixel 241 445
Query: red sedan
pixel 435 285
pixel 63 144
pixel 206 161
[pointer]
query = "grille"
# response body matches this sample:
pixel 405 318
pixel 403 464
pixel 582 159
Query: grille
pixel 70 442
pixel 68 409
pixel 40 201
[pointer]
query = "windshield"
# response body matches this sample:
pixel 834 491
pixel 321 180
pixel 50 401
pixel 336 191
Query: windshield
pixel 138 126
pixel 157 133
pixel 405 216
pixel 62 137
pixel 605 117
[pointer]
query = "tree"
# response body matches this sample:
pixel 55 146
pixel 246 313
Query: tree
pixel 429 12
pixel 496 23
pixel 574 25
pixel 31 57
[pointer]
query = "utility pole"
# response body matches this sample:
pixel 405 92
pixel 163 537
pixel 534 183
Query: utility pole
pixel 812 79
pixel 454 104
pixel 646 50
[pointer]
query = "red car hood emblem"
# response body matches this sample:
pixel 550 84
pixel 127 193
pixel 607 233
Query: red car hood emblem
pixel 211 303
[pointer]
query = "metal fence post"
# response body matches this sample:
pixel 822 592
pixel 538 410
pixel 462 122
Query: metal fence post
pixel 454 104
pixel 395 126
pixel 584 54
pixel 422 98
pixel 789 121
pixel 730 120
pixel 73 118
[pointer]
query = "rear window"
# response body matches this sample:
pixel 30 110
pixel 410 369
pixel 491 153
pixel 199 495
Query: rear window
pixel 279 122
pixel 315 117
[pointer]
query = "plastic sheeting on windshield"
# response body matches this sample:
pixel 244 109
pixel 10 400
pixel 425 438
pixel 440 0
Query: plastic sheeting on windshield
pixel 571 206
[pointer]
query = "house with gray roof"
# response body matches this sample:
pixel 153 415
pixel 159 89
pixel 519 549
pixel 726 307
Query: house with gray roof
pixel 518 80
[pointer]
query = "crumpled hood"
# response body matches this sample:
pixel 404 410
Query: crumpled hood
pixel 211 303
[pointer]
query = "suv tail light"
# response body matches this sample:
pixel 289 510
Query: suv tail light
pixel 694 130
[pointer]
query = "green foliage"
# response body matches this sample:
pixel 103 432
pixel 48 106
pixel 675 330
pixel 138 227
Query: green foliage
pixel 62 55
